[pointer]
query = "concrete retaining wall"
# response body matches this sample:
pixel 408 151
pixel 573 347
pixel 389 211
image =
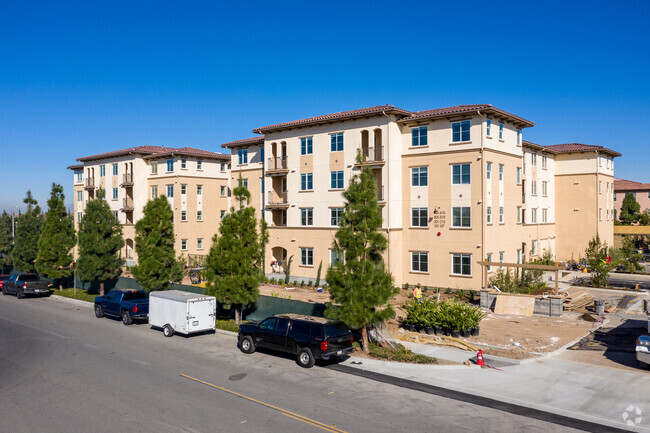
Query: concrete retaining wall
pixel 551 306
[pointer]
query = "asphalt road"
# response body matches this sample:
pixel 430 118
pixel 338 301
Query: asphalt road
pixel 63 370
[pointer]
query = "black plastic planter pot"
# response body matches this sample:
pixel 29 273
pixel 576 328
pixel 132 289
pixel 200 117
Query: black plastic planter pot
pixel 455 333
pixel 412 328
pixel 467 333
pixel 475 332
pixel 430 331
pixel 438 330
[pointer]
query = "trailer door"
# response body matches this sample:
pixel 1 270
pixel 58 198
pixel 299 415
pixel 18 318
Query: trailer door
pixel 201 314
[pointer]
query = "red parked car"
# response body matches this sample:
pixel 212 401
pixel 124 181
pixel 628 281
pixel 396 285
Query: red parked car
pixel 2 279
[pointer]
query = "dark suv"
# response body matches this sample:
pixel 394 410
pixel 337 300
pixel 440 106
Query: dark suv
pixel 308 337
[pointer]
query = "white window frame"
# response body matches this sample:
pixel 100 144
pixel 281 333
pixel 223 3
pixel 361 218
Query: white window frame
pixel 183 215
pixel 489 215
pixel 306 145
pixel 102 171
pixel 223 191
pixel 337 179
pixel 183 163
pixel 501 215
pixel 465 260
pixel 199 215
pixel 170 190
pixel 488 127
pixel 420 173
pixel 199 164
pixel 183 189
pixel 115 193
pixel 335 216
pixel 518 175
pixel 418 139
pixel 462 218
pixel 500 131
pixel 544 188
pixel 425 262
pixel 199 243
pixel 334 142
pixel 199 190
pixel 306 256
pixel 305 180
pixel 170 164
pixel 242 156
pixel 500 172
pixel 183 244
pixel 306 216
pixel 461 172
pixel 417 219
pixel 115 169
pixel 462 125
pixel 154 167
pixel 489 171
pixel 154 192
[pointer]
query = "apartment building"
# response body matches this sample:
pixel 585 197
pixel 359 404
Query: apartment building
pixel 640 191
pixel 456 185
pixel 195 182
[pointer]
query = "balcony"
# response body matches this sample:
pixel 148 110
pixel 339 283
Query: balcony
pixel 381 198
pixel 370 156
pixel 277 165
pixel 90 183
pixel 127 205
pixel 277 200
pixel 127 180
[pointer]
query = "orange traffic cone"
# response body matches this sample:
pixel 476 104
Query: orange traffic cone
pixel 479 358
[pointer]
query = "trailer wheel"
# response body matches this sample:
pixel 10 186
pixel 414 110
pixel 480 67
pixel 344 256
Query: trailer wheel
pixel 168 331
pixel 99 312
pixel 126 317
pixel 246 344
pixel 306 358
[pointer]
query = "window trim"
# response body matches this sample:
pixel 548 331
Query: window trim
pixel 460 174
pixel 460 124
pixel 419 218
pixel 334 142
pixel 418 141
pixel 420 175
pixel 419 254
pixel 308 215
pixel 307 250
pixel 305 180
pixel 460 256
pixel 469 217
pixel 307 145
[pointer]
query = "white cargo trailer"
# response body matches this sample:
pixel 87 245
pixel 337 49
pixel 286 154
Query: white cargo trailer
pixel 182 312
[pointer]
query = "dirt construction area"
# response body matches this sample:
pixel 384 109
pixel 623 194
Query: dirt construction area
pixel 510 336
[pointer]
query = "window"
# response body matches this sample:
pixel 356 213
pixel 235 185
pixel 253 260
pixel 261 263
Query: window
pixel 518 256
pixel 500 131
pixel 489 127
pixel 222 214
pixel 501 217
pixel 518 214
pixel 222 190
pixel 242 155
pixel 419 217
pixel 183 215
pixel 114 193
pixel 336 142
pixel 419 261
pixel 199 215
pixel 80 175
pixel 534 250
pixel 243 182
pixel 489 214
pixel 80 195
pixel 533 187
pixel 460 131
pixel 460 174
pixel 488 258
pixel 114 169
pixel 170 165
pixel 336 179
pixel 500 172
pixel 461 217
pixel 544 215
pixel 102 170
pixel 607 214
pixel 335 216
pixel 501 256
pixel 544 188
pixel 306 147
pixel 419 136
pixel 336 256
pixel 199 190
pixel 199 243
pixel 79 215
pixel 199 165
pixel 183 244
pixel 461 264
pixel 223 167
pixel 600 214
pixel 615 196
pixel 306 216
pixel 183 163
pixel 306 181
pixel 600 187
pixel 519 136
pixel 600 160
pixel 154 191
pixel 533 216
pixel 607 162
pixel 306 257
pixel 419 176
pixel 533 159
pixel 115 215
pixel 518 175
pixel 154 167
pixel 170 191
pixel 544 162
pixel 489 170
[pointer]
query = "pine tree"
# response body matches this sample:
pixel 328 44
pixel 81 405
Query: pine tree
pixel 154 242
pixel 28 230
pixel 596 255
pixel 6 243
pixel 234 264
pixel 629 209
pixel 57 239
pixel 100 242
pixel 360 284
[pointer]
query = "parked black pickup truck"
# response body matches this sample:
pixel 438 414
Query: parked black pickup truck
pixel 25 284
pixel 308 337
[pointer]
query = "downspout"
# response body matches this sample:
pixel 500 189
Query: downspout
pixel 483 282
pixel 387 189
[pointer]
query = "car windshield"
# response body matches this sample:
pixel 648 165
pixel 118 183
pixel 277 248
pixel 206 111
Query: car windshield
pixel 334 329
pixel 129 296
pixel 28 277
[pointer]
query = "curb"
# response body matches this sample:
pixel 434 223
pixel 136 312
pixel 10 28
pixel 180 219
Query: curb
pixel 78 302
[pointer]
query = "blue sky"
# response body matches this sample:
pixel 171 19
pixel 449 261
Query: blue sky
pixel 80 78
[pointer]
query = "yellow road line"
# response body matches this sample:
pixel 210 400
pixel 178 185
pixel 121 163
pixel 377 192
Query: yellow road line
pixel 283 411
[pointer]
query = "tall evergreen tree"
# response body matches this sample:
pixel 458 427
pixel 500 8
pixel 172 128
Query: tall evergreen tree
pixel 234 264
pixel 57 239
pixel 360 284
pixel 629 209
pixel 28 230
pixel 6 242
pixel 100 242
pixel 154 242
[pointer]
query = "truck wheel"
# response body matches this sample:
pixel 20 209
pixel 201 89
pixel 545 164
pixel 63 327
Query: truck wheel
pixel 168 331
pixel 246 345
pixel 99 312
pixel 4 291
pixel 19 294
pixel 643 364
pixel 306 358
pixel 126 317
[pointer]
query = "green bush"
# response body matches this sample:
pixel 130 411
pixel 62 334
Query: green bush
pixel 398 354
pixel 452 315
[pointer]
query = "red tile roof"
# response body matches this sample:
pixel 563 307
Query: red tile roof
pixel 75 167
pixel 158 151
pixel 629 185
pixel 463 109
pixel 343 115
pixel 244 142
pixel 577 147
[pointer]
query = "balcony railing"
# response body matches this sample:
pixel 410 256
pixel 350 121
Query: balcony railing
pixel 380 194
pixel 90 183
pixel 127 179
pixel 277 199
pixel 127 205
pixel 370 155
pixel 277 163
